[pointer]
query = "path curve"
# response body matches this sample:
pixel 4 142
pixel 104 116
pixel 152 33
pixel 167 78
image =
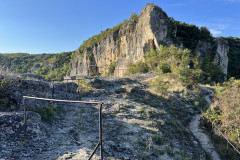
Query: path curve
pixel 198 132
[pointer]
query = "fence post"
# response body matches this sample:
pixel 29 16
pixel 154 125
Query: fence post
pixel 70 91
pixel 25 116
pixel 66 88
pixel 53 90
pixel 78 91
pixel 105 69
pixel 25 112
pixel 100 130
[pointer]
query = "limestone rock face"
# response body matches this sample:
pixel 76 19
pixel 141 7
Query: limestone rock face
pixel 220 48
pixel 221 54
pixel 127 45
pixel 133 40
pixel 203 48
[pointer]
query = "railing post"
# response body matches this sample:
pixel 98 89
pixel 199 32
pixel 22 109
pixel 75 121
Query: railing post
pixel 25 116
pixel 70 90
pixel 105 69
pixel 100 130
pixel 25 112
pixel 53 90
pixel 78 91
pixel 67 88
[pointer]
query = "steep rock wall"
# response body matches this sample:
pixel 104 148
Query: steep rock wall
pixel 221 54
pixel 220 48
pixel 127 45
pixel 133 40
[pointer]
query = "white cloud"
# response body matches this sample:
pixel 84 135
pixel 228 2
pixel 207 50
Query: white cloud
pixel 215 32
pixel 216 29
pixel 219 26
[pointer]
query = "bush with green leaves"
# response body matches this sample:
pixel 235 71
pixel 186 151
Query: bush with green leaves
pixel 163 67
pixel 160 86
pixel 190 77
pixel 47 113
pixel 139 67
pixel 189 34
pixel 111 68
pixel 226 110
pixel 169 59
pixel 3 85
pixel 212 69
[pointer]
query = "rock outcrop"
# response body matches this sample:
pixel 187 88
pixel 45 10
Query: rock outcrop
pixel 133 40
pixel 136 124
pixel 220 49
pixel 127 45
pixel 221 54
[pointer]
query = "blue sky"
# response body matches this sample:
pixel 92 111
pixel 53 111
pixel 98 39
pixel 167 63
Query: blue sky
pixel 53 26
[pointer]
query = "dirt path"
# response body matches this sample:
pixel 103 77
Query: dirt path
pixel 198 132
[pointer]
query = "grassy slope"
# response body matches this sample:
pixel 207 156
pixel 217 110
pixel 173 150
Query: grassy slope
pixel 50 66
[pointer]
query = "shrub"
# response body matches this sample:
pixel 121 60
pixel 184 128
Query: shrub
pixel 212 69
pixel 84 87
pixel 158 139
pixel 139 67
pixel 111 68
pixel 3 85
pixel 189 77
pixel 189 34
pixel 47 113
pixel 225 110
pixel 163 68
pixel 151 59
pixel 134 16
pixel 160 86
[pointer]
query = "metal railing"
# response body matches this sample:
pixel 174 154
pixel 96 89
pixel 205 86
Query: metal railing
pixel 99 145
pixel 223 136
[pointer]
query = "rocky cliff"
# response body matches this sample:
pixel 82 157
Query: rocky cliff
pixel 134 39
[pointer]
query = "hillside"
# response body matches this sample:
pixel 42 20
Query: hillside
pixel 163 84
pixel 128 43
pixel 138 122
pixel 50 66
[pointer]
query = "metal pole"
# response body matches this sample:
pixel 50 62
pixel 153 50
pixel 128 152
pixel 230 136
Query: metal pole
pixel 25 112
pixel 66 87
pixel 70 90
pixel 94 151
pixel 105 69
pixel 100 131
pixel 53 90
pixel 25 117
pixel 78 91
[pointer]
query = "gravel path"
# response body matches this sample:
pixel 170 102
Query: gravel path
pixel 198 132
